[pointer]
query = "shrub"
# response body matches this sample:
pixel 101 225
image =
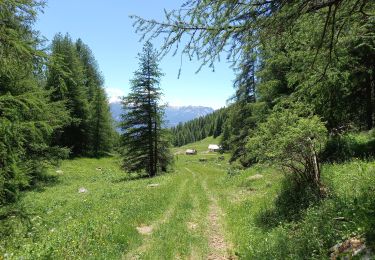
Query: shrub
pixel 291 138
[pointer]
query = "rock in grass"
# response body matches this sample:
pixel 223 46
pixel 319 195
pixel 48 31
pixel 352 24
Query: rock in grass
pixel 82 190
pixel 192 225
pixel 59 172
pixel 145 230
pixel 349 248
pixel 255 177
pixel 153 185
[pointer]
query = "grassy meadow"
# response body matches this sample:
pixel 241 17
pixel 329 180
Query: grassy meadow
pixel 201 210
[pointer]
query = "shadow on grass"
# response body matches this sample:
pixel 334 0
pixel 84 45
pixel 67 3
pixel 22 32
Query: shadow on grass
pixel 43 181
pixel 312 227
pixel 14 220
pixel 289 205
pixel 342 148
pixel 132 177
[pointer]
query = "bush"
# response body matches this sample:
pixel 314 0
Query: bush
pixel 291 139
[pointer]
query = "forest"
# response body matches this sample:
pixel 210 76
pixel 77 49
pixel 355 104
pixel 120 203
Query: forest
pixel 294 178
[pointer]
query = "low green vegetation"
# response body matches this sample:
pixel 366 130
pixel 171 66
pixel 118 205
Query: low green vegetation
pixel 269 218
pixel 59 221
pixel 296 180
pixel 91 209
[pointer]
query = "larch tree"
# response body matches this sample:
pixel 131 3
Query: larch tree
pixel 100 124
pixel 145 145
pixel 92 77
pixel 65 79
pixel 27 115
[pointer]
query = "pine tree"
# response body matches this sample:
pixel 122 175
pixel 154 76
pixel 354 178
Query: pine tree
pixel 145 146
pixel 66 81
pixel 92 78
pixel 27 115
pixel 100 123
pixel 101 131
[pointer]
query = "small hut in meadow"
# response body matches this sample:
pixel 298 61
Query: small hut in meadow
pixel 213 148
pixel 191 152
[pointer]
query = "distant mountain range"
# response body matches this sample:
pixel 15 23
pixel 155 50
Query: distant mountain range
pixel 173 114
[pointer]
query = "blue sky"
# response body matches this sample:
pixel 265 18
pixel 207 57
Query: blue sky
pixel 106 27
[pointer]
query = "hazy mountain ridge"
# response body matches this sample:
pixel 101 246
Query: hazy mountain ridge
pixel 173 114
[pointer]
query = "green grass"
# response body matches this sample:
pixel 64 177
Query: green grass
pixel 200 146
pixel 101 223
pixel 259 233
pixel 55 221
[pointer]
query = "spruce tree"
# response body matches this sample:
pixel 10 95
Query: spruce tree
pixel 145 146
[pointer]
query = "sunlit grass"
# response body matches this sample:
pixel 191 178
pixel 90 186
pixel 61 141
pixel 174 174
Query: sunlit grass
pixel 56 221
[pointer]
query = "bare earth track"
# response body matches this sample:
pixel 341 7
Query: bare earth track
pixel 219 248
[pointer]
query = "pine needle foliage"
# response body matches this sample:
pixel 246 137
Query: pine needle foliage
pixel 145 146
pixel 74 78
pixel 27 115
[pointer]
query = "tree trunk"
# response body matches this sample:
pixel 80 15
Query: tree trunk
pixel 156 140
pixel 315 163
pixel 151 167
pixel 369 105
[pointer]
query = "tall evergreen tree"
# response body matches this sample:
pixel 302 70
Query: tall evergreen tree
pixel 101 126
pixel 92 77
pixel 100 123
pixel 145 145
pixel 66 81
pixel 27 116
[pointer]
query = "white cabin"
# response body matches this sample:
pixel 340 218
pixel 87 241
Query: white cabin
pixel 213 148
pixel 191 151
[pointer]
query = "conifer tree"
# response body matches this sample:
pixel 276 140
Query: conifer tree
pixel 27 116
pixel 66 81
pixel 101 131
pixel 145 146
pixel 100 123
pixel 92 77
pixel 200 128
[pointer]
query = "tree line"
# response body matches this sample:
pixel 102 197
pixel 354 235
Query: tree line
pixel 199 128
pixel 52 101
pixel 304 74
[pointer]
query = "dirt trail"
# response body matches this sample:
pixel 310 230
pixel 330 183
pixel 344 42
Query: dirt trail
pixel 219 248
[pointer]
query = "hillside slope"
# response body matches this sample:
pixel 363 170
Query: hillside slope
pixel 204 209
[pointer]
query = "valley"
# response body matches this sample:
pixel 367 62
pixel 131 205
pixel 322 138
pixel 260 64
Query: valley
pixel 203 209
pixel 271 156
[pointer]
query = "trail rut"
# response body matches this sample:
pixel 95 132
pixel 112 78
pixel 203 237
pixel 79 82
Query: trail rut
pixel 218 247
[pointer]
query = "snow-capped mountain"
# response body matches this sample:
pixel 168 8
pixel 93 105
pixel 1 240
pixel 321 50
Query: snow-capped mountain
pixel 173 114
pixel 181 114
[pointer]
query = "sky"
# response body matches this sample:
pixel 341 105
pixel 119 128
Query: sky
pixel 106 28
